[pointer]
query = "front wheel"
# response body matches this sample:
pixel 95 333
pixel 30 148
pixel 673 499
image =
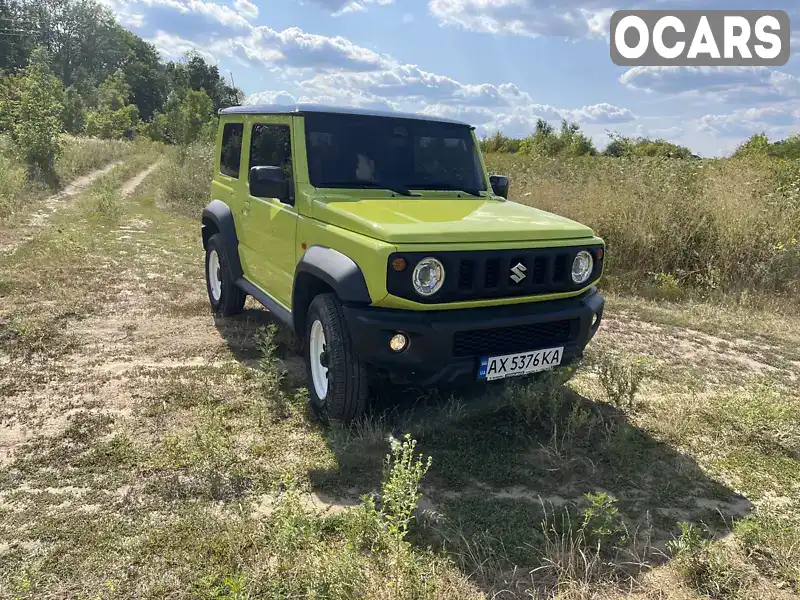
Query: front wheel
pixel 337 380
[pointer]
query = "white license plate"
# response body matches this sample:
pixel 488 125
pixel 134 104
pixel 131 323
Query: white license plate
pixel 513 365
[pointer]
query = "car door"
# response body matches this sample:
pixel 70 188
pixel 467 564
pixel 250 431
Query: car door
pixel 226 182
pixel 271 222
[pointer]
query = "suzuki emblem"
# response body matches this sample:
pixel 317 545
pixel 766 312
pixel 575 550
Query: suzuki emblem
pixel 518 272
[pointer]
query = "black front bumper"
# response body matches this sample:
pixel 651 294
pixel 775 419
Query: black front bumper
pixel 436 352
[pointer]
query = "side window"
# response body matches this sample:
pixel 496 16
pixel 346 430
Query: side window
pixel 271 146
pixel 231 149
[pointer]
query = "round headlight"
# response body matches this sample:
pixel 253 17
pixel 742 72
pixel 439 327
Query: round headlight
pixel 428 276
pixel 582 267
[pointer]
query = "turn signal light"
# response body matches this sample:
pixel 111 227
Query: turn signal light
pixel 399 264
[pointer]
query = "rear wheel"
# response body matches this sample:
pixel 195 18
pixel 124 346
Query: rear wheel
pixel 223 294
pixel 337 381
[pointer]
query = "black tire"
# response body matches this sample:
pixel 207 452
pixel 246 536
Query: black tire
pixel 231 298
pixel 348 383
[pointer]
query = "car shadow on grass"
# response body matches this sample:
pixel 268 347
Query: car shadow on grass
pixel 241 334
pixel 511 463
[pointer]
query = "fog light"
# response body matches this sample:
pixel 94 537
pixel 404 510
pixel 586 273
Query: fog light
pixel 398 343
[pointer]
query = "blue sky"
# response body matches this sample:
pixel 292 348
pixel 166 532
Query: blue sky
pixel 498 64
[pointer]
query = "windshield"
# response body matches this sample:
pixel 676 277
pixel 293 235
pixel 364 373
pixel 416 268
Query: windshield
pixel 352 151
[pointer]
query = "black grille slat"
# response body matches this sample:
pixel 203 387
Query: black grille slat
pixel 560 268
pixel 539 270
pixel 466 275
pixel 509 340
pixel 491 277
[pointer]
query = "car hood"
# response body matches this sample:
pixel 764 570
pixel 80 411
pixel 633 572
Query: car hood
pixel 446 220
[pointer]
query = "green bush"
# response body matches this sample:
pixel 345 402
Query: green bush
pixel 622 146
pixel 30 111
pixel 499 143
pixel 569 141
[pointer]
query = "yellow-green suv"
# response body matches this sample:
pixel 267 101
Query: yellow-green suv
pixel 382 241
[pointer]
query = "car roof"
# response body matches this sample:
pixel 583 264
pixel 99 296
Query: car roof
pixel 299 109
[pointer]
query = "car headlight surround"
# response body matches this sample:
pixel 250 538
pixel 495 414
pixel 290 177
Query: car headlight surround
pixel 428 276
pixel 582 267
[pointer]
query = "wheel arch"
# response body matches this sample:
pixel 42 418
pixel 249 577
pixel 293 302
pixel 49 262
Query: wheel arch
pixel 218 218
pixel 323 270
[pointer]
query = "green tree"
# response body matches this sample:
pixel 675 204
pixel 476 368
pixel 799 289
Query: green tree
pixel 788 148
pixel 114 118
pixel 621 145
pixel 145 75
pixel 499 143
pixel 569 141
pixel 756 144
pixel 114 92
pixel 194 112
pixel 73 113
pixel 30 111
pixel 194 73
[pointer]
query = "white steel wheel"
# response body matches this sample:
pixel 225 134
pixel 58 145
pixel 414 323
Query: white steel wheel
pixel 318 358
pixel 214 278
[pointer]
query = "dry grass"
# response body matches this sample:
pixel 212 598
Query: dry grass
pixel 711 227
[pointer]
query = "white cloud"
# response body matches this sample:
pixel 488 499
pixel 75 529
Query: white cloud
pixel 246 8
pixel 173 47
pixel 126 17
pixel 342 7
pixel 775 120
pixel 411 83
pixel 216 12
pixel 602 113
pixel 721 84
pixel 299 49
pixel 572 19
pixel 343 98
pixel 567 19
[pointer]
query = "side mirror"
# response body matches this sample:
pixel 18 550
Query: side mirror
pixel 269 182
pixel 499 185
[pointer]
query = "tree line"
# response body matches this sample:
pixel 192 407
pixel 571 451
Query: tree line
pixel 569 140
pixel 67 66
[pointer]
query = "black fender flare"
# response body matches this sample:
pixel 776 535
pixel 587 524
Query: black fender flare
pixel 219 214
pixel 336 270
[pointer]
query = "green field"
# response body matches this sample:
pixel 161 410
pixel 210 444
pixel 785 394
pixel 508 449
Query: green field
pixel 148 449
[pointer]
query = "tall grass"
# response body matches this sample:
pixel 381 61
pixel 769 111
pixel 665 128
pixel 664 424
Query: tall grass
pixel 728 226
pixel 184 178
pixel 79 156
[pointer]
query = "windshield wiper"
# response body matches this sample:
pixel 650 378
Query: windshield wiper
pixel 445 186
pixel 397 189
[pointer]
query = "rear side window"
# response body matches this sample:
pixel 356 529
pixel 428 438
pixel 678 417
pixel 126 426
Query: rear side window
pixel 231 155
pixel 271 146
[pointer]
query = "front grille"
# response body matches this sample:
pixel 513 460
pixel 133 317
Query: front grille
pixel 519 338
pixel 474 275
